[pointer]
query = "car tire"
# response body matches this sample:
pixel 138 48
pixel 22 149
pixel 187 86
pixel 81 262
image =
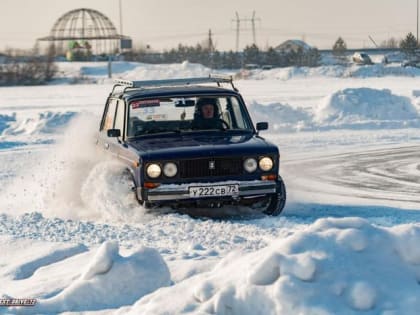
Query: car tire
pixel 277 201
pixel 145 204
pixel 130 175
pixel 148 205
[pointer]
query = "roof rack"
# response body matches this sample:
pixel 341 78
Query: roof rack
pixel 173 82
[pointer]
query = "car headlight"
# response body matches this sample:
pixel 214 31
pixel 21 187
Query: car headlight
pixel 170 169
pixel 266 164
pixel 250 165
pixel 153 170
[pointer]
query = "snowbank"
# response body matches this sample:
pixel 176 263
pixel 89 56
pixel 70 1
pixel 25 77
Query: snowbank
pixel 98 71
pixel 335 71
pixel 24 123
pixel 109 280
pixel 336 266
pixel 168 71
pixel 22 264
pixel 281 117
pixel 352 108
pixel 332 266
pixel 365 107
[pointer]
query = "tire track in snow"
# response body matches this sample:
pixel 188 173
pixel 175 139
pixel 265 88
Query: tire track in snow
pixel 385 175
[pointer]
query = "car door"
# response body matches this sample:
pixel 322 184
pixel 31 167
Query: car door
pixel 108 122
pixel 119 146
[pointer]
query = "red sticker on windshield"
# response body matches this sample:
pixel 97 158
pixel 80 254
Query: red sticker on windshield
pixel 145 103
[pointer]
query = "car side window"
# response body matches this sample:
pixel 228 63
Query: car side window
pixel 110 115
pixel 119 117
pixel 225 114
pixel 239 118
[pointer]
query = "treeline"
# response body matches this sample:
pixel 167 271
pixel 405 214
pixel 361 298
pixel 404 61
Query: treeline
pixel 215 59
pixel 34 69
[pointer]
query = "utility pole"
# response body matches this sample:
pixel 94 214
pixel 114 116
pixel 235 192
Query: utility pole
pixel 121 23
pixel 238 22
pixel 211 49
pixel 253 28
pixel 210 42
pixel 417 37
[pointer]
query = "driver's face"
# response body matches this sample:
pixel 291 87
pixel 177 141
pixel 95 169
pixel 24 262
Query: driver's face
pixel 207 111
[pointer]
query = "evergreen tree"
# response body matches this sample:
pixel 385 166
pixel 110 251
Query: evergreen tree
pixel 409 44
pixel 251 54
pixel 272 57
pixel 216 60
pixel 300 57
pixel 231 60
pixel 339 48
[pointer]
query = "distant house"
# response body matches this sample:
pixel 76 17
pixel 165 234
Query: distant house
pixel 292 45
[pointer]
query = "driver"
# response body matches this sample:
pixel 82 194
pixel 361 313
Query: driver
pixel 206 115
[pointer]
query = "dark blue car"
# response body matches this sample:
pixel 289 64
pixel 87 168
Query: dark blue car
pixel 190 143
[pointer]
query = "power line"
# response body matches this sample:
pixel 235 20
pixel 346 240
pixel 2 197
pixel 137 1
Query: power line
pixel 238 28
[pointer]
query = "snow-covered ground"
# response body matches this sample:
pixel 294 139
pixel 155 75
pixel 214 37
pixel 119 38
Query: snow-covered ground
pixel 73 238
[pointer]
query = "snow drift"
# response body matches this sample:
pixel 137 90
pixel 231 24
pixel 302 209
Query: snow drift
pixel 334 71
pixel 98 71
pixel 352 108
pixel 358 268
pixel 366 107
pixel 109 280
pixel 281 117
pixel 34 123
pixel 333 266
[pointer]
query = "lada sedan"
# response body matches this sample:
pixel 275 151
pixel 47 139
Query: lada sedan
pixel 191 143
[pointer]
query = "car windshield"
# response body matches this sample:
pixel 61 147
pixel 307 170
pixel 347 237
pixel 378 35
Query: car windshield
pixel 186 114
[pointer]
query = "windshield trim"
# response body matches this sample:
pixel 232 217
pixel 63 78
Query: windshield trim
pixel 243 110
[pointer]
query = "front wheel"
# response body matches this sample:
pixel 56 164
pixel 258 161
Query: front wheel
pixel 146 204
pixel 277 201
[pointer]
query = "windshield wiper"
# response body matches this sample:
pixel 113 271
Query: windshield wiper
pixel 153 131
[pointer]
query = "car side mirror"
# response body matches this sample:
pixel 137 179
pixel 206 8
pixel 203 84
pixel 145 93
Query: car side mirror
pixel 262 126
pixel 113 133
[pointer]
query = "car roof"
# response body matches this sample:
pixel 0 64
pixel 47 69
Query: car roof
pixel 133 93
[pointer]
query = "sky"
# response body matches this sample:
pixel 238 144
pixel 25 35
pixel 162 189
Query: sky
pixel 162 24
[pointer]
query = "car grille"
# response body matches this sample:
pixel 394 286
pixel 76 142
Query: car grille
pixel 210 167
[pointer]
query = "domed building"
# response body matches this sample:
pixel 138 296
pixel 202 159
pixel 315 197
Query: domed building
pixel 85 32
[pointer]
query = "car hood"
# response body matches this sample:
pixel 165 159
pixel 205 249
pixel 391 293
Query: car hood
pixel 201 145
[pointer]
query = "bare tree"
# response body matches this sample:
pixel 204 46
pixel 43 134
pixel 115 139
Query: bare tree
pixel 390 43
pixel 30 68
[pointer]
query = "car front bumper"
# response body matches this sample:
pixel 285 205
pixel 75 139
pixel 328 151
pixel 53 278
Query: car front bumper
pixel 166 192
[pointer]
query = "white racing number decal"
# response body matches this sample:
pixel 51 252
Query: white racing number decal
pixel 209 191
pixel 145 103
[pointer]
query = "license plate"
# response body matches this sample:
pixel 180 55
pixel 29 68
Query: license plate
pixel 210 191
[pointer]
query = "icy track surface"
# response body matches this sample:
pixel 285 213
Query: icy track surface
pixel 73 237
